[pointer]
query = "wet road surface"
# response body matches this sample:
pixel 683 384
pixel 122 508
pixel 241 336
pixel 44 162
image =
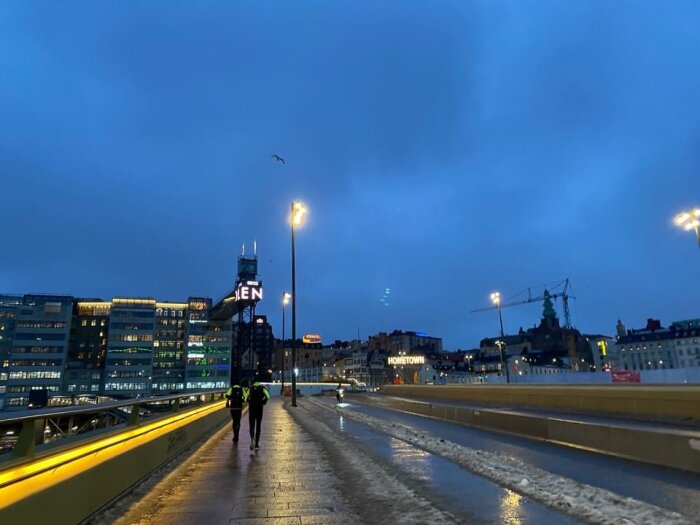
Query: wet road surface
pixel 664 487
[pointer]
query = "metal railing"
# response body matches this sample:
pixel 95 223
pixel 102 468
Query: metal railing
pixel 23 435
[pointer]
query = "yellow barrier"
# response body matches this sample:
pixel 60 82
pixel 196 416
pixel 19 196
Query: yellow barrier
pixel 67 486
pixel 648 402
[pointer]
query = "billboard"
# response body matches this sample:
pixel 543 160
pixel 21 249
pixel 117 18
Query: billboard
pixel 311 338
pixel 249 291
pixel 626 376
pixel 403 360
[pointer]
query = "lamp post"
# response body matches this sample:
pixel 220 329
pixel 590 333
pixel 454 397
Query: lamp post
pixel 496 300
pixel 297 219
pixel 689 221
pixel 285 302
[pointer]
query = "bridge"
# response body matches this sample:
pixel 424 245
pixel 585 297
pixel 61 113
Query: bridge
pixel 410 454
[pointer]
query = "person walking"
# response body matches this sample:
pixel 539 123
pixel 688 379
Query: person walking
pixel 257 396
pixel 234 402
pixel 339 393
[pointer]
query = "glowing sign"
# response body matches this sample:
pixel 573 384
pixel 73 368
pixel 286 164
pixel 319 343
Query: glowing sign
pixel 407 360
pixel 198 305
pixel 249 291
pixel 311 338
pixel 195 355
pixel 603 347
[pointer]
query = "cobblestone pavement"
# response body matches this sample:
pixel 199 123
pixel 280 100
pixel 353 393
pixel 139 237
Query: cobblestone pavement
pixel 289 480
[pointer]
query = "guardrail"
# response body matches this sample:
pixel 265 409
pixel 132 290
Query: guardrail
pixel 67 463
pixel 60 423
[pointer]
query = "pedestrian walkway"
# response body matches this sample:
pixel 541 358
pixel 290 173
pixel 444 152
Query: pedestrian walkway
pixel 289 480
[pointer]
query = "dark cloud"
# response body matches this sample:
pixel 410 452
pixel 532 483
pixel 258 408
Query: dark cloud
pixel 444 151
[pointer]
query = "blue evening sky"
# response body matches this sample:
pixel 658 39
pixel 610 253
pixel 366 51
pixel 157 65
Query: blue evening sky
pixel 445 149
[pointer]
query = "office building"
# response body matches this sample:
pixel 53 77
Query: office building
pixel 87 349
pixel 39 347
pixel 208 349
pixel 129 361
pixel 8 307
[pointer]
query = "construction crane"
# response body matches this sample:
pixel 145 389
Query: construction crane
pixel 560 289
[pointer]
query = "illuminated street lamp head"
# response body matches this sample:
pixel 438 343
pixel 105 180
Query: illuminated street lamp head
pixel 298 213
pixel 496 298
pixel 286 297
pixel 688 220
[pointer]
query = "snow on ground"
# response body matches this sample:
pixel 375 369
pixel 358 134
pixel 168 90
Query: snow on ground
pixel 384 495
pixel 592 504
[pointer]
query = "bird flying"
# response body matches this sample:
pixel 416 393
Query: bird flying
pixel 278 158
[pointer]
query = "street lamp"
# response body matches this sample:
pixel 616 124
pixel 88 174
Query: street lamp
pixel 689 221
pixel 496 300
pixel 297 219
pixel 285 301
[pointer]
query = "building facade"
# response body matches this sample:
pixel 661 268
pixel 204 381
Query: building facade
pixel 124 347
pixel 208 349
pixel 39 347
pixel 87 349
pixel 8 311
pixel 656 348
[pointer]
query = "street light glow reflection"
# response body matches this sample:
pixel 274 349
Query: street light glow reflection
pixel 496 298
pixel 299 212
pixel 688 220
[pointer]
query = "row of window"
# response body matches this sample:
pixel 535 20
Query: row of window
pixel 133 314
pixel 170 322
pixel 132 338
pixel 169 386
pixel 125 374
pixel 17 389
pixel 167 312
pixel 35 375
pixel 125 386
pixel 37 362
pixel 72 374
pixel 41 324
pixel 129 362
pixel 167 355
pixel 204 361
pixel 204 385
pixel 83 388
pixel 90 356
pixel 167 344
pixel 131 326
pixel 129 350
pixel 223 372
pixel 40 337
pixel 93 344
pixel 38 349
pixel 93 322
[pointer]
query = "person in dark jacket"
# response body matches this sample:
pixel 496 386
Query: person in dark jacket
pixel 234 402
pixel 257 396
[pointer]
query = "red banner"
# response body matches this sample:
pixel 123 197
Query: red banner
pixel 626 376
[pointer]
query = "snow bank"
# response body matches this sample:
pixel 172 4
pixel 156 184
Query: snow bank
pixel 593 504
pixel 384 494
